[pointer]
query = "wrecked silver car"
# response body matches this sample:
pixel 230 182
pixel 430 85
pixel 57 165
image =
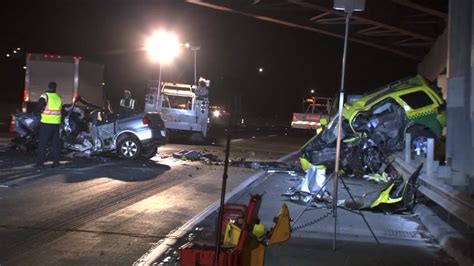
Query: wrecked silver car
pixel 88 130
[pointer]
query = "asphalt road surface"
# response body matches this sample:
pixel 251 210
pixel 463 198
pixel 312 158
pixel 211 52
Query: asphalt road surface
pixel 110 211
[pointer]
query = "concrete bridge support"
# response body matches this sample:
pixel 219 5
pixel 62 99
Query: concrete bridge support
pixel 460 102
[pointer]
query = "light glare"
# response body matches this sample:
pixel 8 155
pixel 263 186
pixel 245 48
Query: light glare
pixel 162 47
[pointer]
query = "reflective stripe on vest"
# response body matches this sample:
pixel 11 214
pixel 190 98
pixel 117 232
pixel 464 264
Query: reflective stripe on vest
pixel 131 103
pixel 52 111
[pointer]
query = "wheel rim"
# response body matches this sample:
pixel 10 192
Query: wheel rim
pixel 129 148
pixel 420 145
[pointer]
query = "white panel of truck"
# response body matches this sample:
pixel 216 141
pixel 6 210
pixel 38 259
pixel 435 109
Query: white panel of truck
pixel 41 72
pixel 90 82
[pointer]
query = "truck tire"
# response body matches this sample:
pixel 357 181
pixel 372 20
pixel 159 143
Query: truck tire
pixel 129 147
pixel 149 152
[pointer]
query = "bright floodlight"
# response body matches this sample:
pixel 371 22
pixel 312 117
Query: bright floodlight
pixel 162 47
pixel 260 70
pixel 312 91
pixel 216 113
pixel 349 5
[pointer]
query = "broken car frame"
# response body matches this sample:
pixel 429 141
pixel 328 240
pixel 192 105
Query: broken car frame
pixel 374 126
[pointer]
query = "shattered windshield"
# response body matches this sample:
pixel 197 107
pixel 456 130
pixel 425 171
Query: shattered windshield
pixel 329 134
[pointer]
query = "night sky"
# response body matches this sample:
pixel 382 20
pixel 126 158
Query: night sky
pixel 233 47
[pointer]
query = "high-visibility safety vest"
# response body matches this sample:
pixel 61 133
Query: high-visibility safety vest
pixel 52 112
pixel 131 103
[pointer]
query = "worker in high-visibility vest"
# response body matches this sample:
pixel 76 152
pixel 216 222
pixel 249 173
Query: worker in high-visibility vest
pixel 127 101
pixel 49 108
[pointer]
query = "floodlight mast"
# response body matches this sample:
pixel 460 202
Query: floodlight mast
pixel 348 6
pixel 162 47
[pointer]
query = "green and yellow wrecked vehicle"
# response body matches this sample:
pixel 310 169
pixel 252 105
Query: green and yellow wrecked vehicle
pixel 375 125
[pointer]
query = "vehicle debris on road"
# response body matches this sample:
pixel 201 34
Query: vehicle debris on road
pixel 193 155
pixel 312 187
pixel 213 159
pixel 397 195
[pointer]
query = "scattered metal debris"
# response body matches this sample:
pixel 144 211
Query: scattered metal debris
pixel 311 187
pixel 398 195
pixel 171 257
pixel 267 166
pixel 378 178
pixel 193 155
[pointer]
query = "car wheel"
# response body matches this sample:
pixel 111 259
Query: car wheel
pixel 149 152
pixel 129 147
pixel 419 138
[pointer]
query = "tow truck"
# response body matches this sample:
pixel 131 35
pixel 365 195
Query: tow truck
pixel 183 107
pixel 314 109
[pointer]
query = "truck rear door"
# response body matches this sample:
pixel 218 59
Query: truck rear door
pixel 43 68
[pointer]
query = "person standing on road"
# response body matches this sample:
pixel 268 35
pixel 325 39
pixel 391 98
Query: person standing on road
pixel 49 108
pixel 127 101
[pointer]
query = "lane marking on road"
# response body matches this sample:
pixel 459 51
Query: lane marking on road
pixel 159 248
pixel 235 140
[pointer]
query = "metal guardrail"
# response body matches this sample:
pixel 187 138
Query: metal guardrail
pixel 447 197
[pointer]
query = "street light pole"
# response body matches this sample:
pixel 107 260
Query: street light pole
pixel 158 89
pixel 162 48
pixel 348 6
pixel 339 132
pixel 195 49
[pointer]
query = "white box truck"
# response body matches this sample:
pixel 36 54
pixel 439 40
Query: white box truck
pixel 73 75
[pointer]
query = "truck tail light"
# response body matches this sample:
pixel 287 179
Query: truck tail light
pixel 26 96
